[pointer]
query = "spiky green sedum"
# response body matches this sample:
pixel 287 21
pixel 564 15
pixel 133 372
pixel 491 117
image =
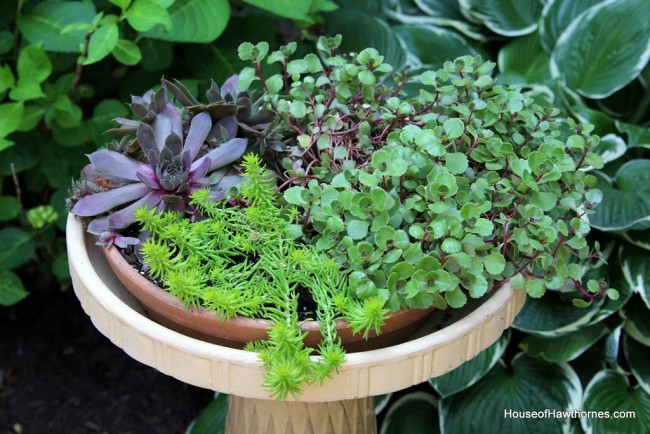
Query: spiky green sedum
pixel 241 261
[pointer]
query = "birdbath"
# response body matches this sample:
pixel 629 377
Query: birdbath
pixel 341 404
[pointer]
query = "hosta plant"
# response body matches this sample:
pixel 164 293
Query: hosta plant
pixel 423 200
pixel 166 155
pixel 240 261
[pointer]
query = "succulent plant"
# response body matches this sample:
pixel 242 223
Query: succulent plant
pixel 165 156
pixel 435 195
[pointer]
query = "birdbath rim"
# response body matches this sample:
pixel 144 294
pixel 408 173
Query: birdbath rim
pixel 117 315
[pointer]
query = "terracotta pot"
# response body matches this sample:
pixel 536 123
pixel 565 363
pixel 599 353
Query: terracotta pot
pixel 236 332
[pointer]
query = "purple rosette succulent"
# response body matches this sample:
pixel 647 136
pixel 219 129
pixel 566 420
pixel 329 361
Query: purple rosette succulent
pixel 168 154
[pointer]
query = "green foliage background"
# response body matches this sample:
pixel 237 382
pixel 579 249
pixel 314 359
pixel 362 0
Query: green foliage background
pixel 67 67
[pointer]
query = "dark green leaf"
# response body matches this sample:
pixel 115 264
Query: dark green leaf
pixel 8 208
pixel 102 43
pixel 611 391
pixel 285 8
pixel 556 17
pixel 44 24
pixel 212 419
pixel 416 412
pixel 467 374
pixel 484 407
pixel 11 288
pixel 194 21
pixel 563 348
pixel 17 248
pixel 505 17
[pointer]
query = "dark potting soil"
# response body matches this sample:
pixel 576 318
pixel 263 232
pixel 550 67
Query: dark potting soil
pixel 58 374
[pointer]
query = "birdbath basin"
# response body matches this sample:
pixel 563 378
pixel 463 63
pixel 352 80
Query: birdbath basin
pixel 341 404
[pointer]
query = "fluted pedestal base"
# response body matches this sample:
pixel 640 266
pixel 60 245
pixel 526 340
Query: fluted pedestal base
pixel 261 416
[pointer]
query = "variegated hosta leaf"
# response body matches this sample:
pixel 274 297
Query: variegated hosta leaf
pixel 638 238
pixel 471 371
pixel 551 316
pixel 604 48
pixel 637 320
pixel 524 61
pixel 563 348
pixel 636 269
pixel 637 356
pixel 528 385
pixel 610 391
pixel 433 46
pixel 556 17
pixel 626 198
pixel 637 136
pixel 381 401
pixel 504 17
pixel 416 412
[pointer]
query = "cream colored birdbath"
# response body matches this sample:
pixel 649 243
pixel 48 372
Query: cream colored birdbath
pixel 342 404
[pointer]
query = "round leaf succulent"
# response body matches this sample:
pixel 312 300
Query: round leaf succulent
pixel 429 196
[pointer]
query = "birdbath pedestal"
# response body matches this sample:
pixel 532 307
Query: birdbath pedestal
pixel 341 404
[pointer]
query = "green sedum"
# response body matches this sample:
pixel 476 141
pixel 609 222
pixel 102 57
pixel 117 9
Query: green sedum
pixel 239 261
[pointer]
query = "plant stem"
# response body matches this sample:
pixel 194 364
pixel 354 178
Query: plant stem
pixel 80 67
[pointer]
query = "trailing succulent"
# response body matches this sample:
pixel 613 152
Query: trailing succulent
pixel 166 155
pixel 239 261
pixel 425 197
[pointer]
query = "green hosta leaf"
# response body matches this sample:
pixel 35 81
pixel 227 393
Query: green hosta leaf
pixel 626 198
pixel 637 320
pixel 563 348
pixel 505 17
pixel 285 8
pixel 638 238
pixel 433 46
pixel 143 15
pixel 524 61
pixel 483 408
pixel 637 136
pixel 17 248
pixel 415 412
pixel 381 401
pixel 46 21
pixel 636 269
pixel 610 391
pixel 556 17
pixel 637 356
pixel 127 52
pixel 467 374
pixel 102 43
pixel 550 316
pixel 10 117
pixel 11 288
pixel 8 208
pixel 377 34
pixel 613 33
pixel 212 419
pixel 194 21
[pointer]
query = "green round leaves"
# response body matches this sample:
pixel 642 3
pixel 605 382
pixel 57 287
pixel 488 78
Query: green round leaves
pixel 604 48
pixel 499 401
